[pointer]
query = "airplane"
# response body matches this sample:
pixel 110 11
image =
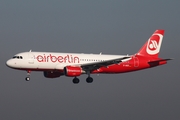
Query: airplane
pixel 54 64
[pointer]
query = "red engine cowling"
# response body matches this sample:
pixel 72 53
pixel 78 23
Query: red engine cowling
pixel 71 71
pixel 52 74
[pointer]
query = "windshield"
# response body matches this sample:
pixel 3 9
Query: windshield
pixel 17 57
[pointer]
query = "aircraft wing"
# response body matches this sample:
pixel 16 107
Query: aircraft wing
pixel 97 65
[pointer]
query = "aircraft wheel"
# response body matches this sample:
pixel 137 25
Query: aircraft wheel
pixel 27 78
pixel 89 80
pixel 75 80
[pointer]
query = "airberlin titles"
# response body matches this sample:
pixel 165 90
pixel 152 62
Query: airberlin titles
pixel 54 58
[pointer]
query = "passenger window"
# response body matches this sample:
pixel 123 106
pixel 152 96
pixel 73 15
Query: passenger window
pixel 21 57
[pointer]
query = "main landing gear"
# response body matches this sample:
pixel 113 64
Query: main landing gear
pixel 88 80
pixel 28 76
pixel 76 80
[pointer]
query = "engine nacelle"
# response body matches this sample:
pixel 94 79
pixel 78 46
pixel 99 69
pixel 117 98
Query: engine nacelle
pixel 52 74
pixel 72 71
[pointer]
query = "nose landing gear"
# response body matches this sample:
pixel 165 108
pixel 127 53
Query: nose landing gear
pixel 27 78
pixel 28 75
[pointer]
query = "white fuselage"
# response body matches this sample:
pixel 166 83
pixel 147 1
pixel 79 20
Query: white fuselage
pixel 53 61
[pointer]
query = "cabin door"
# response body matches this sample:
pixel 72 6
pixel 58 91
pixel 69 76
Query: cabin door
pixel 31 58
pixel 136 62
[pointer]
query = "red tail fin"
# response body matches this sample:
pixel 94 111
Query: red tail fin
pixel 152 47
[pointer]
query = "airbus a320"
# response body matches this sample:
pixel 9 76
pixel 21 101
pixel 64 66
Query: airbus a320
pixel 54 65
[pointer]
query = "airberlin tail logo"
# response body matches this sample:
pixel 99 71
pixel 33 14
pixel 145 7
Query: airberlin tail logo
pixel 154 44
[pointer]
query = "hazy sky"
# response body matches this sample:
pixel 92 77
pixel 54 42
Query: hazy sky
pixel 94 26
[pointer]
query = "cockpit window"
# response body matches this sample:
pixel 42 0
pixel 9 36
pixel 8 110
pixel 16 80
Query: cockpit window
pixel 17 57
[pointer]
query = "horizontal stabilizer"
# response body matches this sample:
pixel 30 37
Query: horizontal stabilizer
pixel 158 62
pixel 161 60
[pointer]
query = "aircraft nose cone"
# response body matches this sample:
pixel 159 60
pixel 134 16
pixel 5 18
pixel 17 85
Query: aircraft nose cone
pixel 13 63
pixel 9 63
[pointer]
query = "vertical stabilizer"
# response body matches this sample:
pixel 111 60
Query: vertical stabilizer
pixel 152 47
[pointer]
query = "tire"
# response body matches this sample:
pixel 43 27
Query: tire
pixel 75 80
pixel 27 78
pixel 89 80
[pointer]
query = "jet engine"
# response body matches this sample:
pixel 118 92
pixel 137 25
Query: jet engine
pixel 52 74
pixel 72 71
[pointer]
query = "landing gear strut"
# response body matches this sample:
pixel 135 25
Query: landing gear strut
pixel 28 75
pixel 89 79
